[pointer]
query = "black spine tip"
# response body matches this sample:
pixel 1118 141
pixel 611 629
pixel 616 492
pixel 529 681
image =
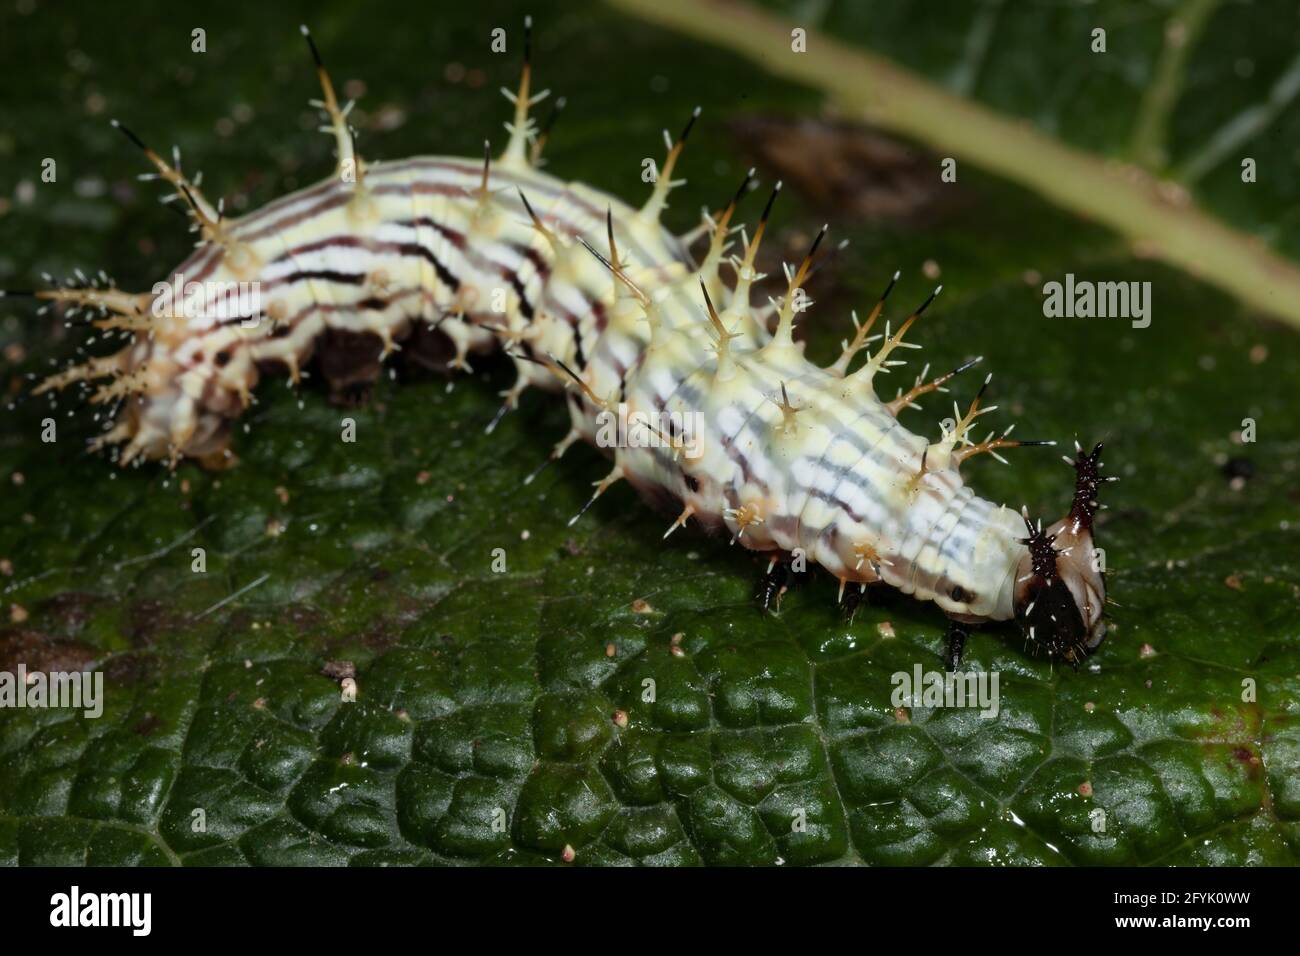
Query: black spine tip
pixel 890 288
pixel 605 262
pixel 568 371
pixel 767 210
pixel 552 116
pixel 743 188
pixel 818 241
pixel 526 358
pixel 129 135
pixel 690 125
pixel 528 207
pixel 708 302
pixel 965 366
pixel 926 304
pixel 311 45
pixel 609 227
pixel 189 198
pixel 528 40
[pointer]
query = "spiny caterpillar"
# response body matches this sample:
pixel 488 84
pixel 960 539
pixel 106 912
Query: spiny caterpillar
pixel 721 419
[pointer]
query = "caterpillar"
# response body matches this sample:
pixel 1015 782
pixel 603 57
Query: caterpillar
pixel 705 403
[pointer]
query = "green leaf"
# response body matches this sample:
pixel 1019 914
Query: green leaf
pixel 501 718
pixel 1148 125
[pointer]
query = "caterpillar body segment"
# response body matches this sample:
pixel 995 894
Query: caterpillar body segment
pixel 667 366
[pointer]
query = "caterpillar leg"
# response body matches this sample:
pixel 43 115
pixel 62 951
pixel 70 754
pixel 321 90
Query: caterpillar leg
pixel 772 585
pixel 850 599
pixel 512 394
pixel 957 634
pixel 351 363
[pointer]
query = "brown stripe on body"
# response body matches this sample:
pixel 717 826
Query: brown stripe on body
pixel 376 246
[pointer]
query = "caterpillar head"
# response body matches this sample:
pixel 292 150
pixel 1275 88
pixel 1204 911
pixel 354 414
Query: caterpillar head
pixel 1060 586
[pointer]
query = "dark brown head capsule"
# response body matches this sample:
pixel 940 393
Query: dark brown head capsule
pixel 1061 588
